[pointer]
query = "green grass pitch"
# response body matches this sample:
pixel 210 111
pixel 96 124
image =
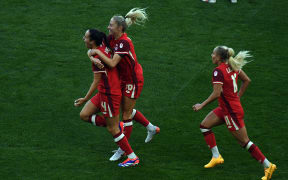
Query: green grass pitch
pixel 44 68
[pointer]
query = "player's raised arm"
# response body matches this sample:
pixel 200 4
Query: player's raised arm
pixel 245 82
pixel 110 62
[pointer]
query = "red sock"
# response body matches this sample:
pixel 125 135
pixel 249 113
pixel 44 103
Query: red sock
pixel 123 143
pixel 128 127
pixel 208 136
pixel 255 152
pixel 139 117
pixel 97 120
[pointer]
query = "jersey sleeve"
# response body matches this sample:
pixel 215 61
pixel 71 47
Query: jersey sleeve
pixel 123 48
pixel 218 77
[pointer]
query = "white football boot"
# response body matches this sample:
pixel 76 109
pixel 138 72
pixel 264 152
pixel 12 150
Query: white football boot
pixel 150 134
pixel 117 155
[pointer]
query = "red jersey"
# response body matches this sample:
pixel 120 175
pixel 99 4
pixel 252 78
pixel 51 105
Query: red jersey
pixel 110 81
pixel 129 68
pixel 229 100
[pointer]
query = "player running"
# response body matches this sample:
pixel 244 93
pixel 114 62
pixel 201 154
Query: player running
pixel 108 98
pixel 131 73
pixel 230 110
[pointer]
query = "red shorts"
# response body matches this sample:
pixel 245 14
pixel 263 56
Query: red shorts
pixel 131 90
pixel 109 105
pixel 233 121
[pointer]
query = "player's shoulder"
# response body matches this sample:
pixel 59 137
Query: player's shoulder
pixel 123 41
pixel 122 45
pixel 125 38
pixel 217 70
pixel 104 49
pixel 222 68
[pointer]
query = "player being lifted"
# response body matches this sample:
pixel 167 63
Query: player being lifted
pixel 131 73
pixel 108 98
pixel 230 111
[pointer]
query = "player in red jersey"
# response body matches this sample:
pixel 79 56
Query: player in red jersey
pixel 230 111
pixel 131 73
pixel 108 98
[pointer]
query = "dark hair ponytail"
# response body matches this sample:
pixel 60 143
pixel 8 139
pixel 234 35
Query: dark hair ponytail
pixel 99 38
pixel 106 42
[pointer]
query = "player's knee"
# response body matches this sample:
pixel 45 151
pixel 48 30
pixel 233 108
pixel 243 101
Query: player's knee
pixel 110 129
pixel 204 124
pixel 113 130
pixel 84 116
pixel 243 141
pixel 126 115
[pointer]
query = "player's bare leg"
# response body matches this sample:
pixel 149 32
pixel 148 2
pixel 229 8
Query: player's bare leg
pixel 88 114
pixel 210 121
pixel 243 139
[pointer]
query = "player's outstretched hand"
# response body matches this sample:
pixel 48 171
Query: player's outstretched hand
pixel 197 107
pixel 79 102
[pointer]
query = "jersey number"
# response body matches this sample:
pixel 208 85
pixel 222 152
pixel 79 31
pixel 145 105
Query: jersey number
pixel 233 76
pixel 106 108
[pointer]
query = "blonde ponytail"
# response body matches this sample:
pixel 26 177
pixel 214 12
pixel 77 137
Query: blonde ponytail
pixel 230 52
pixel 239 60
pixel 136 16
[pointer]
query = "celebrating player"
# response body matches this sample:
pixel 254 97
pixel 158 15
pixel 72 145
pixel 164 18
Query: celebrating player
pixel 108 99
pixel 230 110
pixel 131 73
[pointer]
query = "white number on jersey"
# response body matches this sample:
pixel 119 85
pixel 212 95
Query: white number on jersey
pixel 106 108
pixel 233 76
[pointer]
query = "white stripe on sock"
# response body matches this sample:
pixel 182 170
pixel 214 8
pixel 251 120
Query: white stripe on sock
pixel 250 143
pixel 119 138
pixel 133 113
pixel 204 130
pixel 128 124
pixel 93 119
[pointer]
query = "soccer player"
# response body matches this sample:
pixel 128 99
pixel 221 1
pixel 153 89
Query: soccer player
pixel 108 98
pixel 131 73
pixel 230 111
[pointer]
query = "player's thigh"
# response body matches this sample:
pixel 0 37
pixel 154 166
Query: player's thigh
pixel 113 125
pixel 241 135
pixel 212 120
pixel 127 107
pixel 88 110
